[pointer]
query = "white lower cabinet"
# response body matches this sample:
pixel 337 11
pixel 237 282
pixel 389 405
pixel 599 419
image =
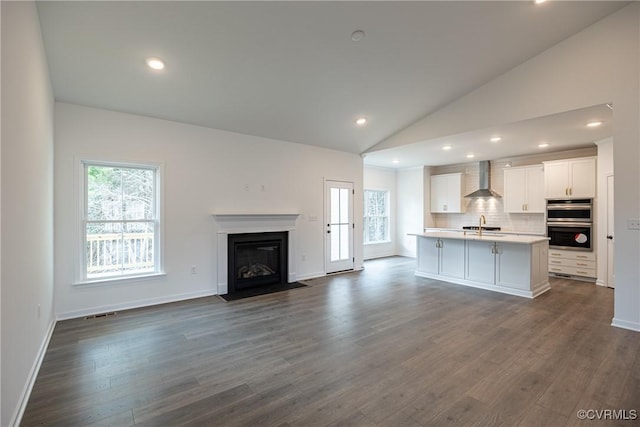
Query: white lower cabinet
pixel 480 261
pixel 428 255
pixel 513 265
pixel 441 257
pixel 452 258
pixel 579 265
pixel 499 264
pixel 512 268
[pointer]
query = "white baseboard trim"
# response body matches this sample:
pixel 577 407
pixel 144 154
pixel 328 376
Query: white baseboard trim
pixel 310 276
pixel 382 255
pixel 134 304
pixel 632 326
pixel 33 375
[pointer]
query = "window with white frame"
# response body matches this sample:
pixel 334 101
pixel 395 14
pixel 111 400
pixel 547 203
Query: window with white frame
pixel 376 216
pixel 120 220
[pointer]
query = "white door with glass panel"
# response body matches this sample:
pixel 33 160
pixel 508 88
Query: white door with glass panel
pixel 339 229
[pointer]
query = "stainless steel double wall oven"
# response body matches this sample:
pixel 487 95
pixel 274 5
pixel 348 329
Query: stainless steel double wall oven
pixel 570 224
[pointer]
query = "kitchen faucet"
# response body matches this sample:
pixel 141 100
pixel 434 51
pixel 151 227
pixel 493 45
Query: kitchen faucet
pixel 483 220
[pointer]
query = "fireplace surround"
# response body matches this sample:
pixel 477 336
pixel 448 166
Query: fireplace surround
pixel 228 224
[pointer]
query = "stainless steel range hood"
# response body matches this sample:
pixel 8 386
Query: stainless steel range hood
pixel 484 180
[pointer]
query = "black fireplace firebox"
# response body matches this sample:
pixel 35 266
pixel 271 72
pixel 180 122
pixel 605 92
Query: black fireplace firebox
pixel 257 259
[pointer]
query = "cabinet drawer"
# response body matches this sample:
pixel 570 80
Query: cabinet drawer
pixel 573 271
pixel 575 255
pixel 572 263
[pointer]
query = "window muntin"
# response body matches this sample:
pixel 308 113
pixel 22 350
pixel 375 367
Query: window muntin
pixel 376 216
pixel 120 221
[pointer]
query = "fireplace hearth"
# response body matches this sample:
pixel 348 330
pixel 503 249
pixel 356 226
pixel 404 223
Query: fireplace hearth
pixel 257 260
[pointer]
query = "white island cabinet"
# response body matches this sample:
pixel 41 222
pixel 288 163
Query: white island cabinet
pixel 441 257
pixel 515 265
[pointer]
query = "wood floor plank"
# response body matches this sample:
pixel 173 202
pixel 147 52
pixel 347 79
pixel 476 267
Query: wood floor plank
pixel 379 347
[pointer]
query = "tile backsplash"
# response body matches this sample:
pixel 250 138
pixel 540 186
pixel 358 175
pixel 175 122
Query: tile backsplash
pixel 493 211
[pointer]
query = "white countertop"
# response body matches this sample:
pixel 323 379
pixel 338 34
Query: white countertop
pixel 489 236
pixel 512 232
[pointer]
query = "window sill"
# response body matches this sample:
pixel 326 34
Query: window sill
pixel 118 280
pixel 382 242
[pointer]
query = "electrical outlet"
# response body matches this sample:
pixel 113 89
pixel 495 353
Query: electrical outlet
pixel 194 269
pixel 633 223
pixel 263 188
pixel 246 187
pixel 304 257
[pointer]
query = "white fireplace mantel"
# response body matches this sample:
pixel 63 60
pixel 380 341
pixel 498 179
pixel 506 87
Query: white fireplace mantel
pixel 236 223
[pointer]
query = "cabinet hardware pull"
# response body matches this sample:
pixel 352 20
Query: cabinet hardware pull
pixel 582 264
pixel 556 262
pixel 581 272
pixel 581 256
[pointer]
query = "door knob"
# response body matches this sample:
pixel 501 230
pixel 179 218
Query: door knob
pixel 610 237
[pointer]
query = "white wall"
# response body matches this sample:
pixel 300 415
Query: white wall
pixel 410 190
pixel 0 226
pixel 27 205
pixel 206 171
pixel 377 178
pixel 604 169
pixel 598 65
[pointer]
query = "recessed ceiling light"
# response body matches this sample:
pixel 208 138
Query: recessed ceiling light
pixel 446 147
pixel 543 145
pixel 357 35
pixel 361 121
pixel 594 124
pixel 395 161
pixel 470 156
pixel 539 1
pixel 155 63
pixel 496 139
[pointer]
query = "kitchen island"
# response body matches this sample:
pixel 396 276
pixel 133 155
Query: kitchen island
pixel 507 263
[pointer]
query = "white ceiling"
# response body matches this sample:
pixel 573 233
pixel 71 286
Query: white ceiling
pixel 289 70
pixel 563 131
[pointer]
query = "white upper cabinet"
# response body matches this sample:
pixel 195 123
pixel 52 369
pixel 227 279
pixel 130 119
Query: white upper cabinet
pixel 570 179
pixel 447 192
pixel 524 189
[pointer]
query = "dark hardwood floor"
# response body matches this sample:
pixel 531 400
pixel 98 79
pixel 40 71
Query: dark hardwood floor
pixel 379 347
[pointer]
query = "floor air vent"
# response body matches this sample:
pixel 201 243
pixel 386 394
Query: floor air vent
pixel 96 316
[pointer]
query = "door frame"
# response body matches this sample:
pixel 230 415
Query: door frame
pixel 345 265
pixel 609 231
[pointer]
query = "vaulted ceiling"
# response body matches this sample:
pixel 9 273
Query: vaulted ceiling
pixel 290 70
